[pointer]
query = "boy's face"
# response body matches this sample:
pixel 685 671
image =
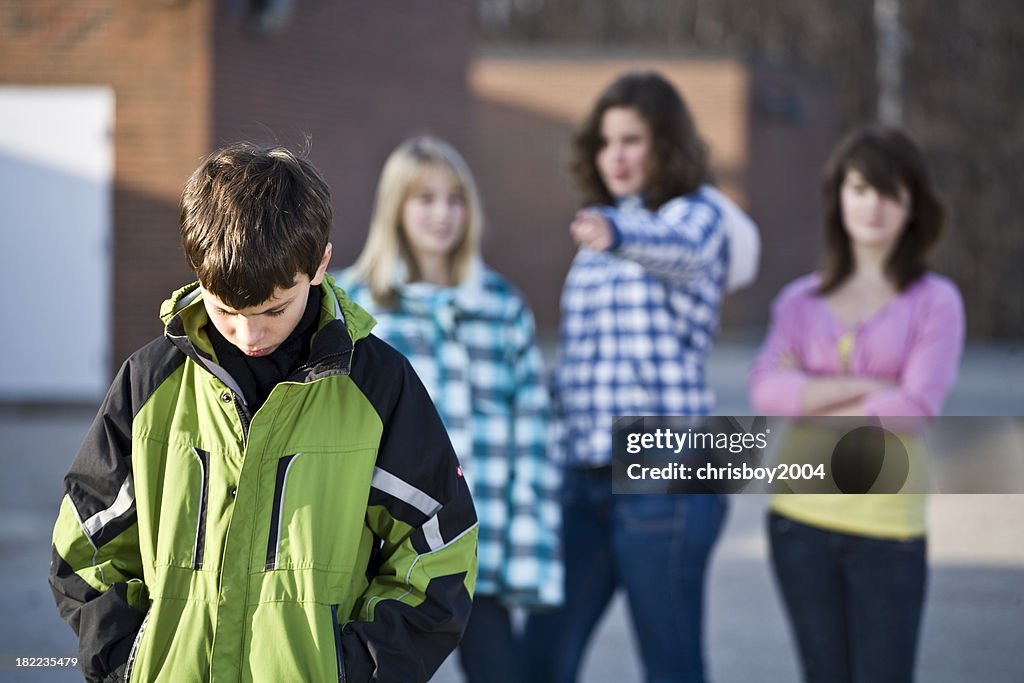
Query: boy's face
pixel 259 330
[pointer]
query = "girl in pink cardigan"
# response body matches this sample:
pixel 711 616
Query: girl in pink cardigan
pixel 874 334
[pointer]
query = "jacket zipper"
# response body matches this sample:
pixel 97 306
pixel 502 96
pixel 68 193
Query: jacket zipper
pixel 243 415
pixel 337 643
pixel 135 647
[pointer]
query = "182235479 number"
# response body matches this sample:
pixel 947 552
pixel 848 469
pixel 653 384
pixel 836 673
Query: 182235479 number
pixel 48 662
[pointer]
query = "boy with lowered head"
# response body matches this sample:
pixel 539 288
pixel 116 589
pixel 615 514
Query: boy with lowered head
pixel 267 493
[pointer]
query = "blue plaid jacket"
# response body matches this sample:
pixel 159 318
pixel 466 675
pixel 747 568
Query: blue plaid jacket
pixel 473 347
pixel 638 321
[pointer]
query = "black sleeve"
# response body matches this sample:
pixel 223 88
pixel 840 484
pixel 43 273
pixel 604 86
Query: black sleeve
pixel 96 571
pixel 415 609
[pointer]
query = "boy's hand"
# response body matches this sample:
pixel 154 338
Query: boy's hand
pixel 591 230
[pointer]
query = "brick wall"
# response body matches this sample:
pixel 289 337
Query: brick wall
pixel 156 57
pixel 357 78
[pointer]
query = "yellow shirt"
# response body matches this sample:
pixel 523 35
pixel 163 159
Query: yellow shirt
pixel 898 516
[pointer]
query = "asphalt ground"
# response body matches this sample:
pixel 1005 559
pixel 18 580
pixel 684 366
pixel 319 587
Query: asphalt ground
pixel 974 617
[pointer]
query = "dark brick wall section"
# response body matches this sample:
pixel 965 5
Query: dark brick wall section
pixel 962 100
pixel 357 78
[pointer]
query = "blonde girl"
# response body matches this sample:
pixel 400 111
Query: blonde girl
pixel 470 336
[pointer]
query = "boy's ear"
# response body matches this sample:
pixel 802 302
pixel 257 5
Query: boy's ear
pixel 319 277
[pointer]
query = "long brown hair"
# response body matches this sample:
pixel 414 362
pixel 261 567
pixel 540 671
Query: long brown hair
pixel 889 161
pixel 679 159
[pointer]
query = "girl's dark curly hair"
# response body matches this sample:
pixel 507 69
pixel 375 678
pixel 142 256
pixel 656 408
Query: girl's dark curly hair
pixel 679 157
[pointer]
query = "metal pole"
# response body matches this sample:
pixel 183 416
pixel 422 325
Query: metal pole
pixel 889 57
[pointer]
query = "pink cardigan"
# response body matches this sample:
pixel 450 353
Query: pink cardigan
pixel 915 341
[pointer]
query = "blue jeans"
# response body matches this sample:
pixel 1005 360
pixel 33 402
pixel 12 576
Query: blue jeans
pixel 487 651
pixel 656 547
pixel 854 603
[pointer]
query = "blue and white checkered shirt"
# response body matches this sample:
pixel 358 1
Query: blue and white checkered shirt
pixel 638 321
pixel 473 348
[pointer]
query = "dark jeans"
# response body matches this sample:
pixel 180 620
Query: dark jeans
pixel 487 651
pixel 654 546
pixel 854 603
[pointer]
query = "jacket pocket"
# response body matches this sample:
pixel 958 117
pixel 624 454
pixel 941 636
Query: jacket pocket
pixel 290 641
pixel 277 512
pixel 650 513
pixel 204 496
pixel 135 647
pixel 318 510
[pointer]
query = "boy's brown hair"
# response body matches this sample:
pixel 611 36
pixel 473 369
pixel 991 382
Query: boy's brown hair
pixel 252 218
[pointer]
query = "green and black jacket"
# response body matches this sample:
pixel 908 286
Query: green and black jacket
pixel 329 536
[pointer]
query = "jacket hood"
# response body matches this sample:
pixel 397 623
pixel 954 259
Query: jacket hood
pixel 183 312
pixel 744 240
pixel 342 323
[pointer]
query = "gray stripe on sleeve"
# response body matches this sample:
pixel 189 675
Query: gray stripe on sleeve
pixel 405 492
pixel 432 532
pixel 122 503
